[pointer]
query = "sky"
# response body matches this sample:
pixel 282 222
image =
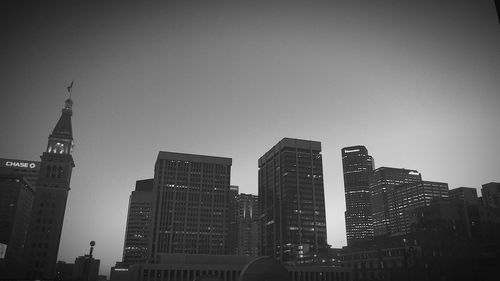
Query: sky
pixel 416 82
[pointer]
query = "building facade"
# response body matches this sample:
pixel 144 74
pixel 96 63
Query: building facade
pixel 491 194
pixel 357 167
pixel 382 180
pixel 27 169
pixel 191 210
pixel 467 195
pixel 232 238
pixel 292 202
pixel 16 200
pixel 49 206
pixel 137 233
pixel 403 199
pixel 247 212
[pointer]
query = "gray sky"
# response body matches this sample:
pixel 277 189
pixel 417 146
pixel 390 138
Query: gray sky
pixel 417 83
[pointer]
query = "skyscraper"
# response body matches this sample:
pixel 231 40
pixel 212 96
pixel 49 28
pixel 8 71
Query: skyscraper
pixel 247 215
pixel 49 206
pixel 382 180
pixel 191 210
pixel 232 235
pixel 292 202
pixel 357 166
pixel 137 234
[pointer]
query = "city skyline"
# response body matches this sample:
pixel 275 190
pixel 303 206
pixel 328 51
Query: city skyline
pixel 209 79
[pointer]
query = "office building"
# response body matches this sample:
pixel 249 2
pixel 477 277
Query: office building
pixel 292 202
pixel 381 181
pixel 51 193
pixel 191 213
pixel 467 195
pixel 403 199
pixel 491 194
pixel 16 200
pixel 27 169
pixel 137 233
pixel 247 211
pixel 232 236
pixel 357 166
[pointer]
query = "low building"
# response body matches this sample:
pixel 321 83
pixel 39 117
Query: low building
pixel 186 267
pixel 86 267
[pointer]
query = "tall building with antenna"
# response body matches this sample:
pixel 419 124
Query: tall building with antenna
pixel 51 193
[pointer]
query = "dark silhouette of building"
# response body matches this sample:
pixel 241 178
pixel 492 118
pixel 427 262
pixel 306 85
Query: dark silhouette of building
pixel 137 233
pixel 86 268
pixel 191 214
pixel 357 166
pixel 491 194
pixel 464 194
pixel 64 271
pixel 16 200
pixel 49 206
pixel 382 180
pixel 292 202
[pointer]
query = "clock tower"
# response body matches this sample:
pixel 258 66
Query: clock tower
pixel 51 194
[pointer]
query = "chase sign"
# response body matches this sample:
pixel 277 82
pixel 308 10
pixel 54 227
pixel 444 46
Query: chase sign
pixel 8 163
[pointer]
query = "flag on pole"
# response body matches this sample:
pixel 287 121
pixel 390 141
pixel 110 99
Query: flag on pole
pixel 70 87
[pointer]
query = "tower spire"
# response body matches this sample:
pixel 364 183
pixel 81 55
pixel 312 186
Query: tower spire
pixel 61 139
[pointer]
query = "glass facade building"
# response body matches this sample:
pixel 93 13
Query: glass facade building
pixel 405 198
pixel 383 180
pixel 292 201
pixel 137 234
pixel 357 166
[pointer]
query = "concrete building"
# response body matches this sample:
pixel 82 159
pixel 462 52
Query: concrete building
pixel 292 202
pixel 192 213
pixel 382 180
pixel 357 166
pixel 137 233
